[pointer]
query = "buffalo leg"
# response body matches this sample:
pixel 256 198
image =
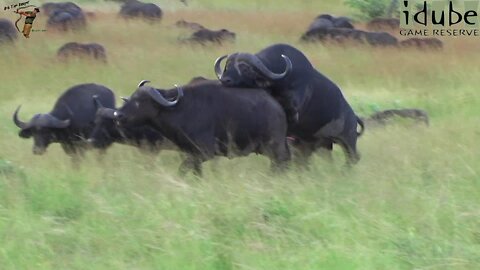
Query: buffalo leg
pixel 76 154
pixel 280 156
pixel 349 146
pixel 191 163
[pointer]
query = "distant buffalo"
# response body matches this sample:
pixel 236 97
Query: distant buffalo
pixel 422 43
pixel 69 123
pixel 204 36
pixel 137 9
pixel 8 33
pixel 383 117
pixel 326 21
pixel 384 24
pixel 64 16
pixel 93 51
pixel 339 35
pixel 189 25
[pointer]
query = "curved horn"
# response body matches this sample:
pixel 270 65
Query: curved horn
pixel 143 82
pixel 218 66
pixel 258 64
pixel 17 121
pixel 53 122
pixel 97 102
pixel 158 97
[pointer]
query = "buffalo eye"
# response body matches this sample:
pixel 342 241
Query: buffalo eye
pixel 25 134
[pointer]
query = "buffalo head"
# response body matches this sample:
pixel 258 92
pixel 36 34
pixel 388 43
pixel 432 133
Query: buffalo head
pixel 104 125
pixel 42 127
pixel 144 104
pixel 247 70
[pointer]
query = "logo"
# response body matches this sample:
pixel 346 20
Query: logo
pixel 27 10
pixel 440 18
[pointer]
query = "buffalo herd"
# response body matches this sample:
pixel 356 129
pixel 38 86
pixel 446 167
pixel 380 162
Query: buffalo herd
pixel 267 102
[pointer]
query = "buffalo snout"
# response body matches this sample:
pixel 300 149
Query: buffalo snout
pixel 37 150
pixel 227 81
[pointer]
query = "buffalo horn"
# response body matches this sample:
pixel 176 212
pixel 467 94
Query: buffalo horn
pixel 258 64
pixel 218 66
pixel 97 102
pixel 54 122
pixel 17 121
pixel 158 97
pixel 143 82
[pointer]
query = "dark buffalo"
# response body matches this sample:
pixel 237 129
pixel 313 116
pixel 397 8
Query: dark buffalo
pixel 106 132
pixel 64 16
pixel 422 43
pixel 317 111
pixel 326 21
pixel 204 36
pixel 384 24
pixel 8 33
pixel 136 9
pixel 70 121
pixel 342 36
pixel 93 51
pixel 205 119
pixel 383 117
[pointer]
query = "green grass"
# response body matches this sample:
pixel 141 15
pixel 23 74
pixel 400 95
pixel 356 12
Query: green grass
pixel 411 203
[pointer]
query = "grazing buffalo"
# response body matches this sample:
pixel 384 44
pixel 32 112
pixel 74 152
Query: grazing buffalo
pixel 318 113
pixel 136 9
pixel 205 119
pixel 422 43
pixel 190 25
pixel 204 36
pixel 64 16
pixel 326 21
pixel 106 132
pixel 8 33
pixel 383 117
pixel 93 51
pixel 341 35
pixel 70 121
pixel 384 24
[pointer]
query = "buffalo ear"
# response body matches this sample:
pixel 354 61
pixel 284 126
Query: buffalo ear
pixel 25 133
pixel 125 99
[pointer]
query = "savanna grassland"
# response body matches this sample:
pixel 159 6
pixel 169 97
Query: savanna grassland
pixel 411 203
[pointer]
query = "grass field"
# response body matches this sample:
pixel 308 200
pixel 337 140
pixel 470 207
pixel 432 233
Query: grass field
pixel 411 203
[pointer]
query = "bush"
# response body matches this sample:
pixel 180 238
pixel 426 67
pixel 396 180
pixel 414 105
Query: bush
pixel 370 9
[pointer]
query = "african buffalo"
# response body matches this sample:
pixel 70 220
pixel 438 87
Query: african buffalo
pixel 64 16
pixel 422 43
pixel 70 121
pixel 384 24
pixel 317 111
pixel 136 9
pixel 326 21
pixel 8 33
pixel 340 35
pixel 106 132
pixel 205 35
pixel 78 50
pixel 205 119
pixel 383 117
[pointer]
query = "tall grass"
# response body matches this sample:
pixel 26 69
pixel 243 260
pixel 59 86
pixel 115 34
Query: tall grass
pixel 412 201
